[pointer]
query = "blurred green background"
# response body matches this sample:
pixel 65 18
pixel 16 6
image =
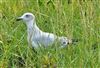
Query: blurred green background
pixel 78 19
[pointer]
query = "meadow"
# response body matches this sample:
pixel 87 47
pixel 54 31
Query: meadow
pixel 79 19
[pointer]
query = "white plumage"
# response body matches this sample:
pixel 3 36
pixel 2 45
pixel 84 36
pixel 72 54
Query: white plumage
pixel 36 37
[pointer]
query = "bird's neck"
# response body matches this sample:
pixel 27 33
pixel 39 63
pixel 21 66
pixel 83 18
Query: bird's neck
pixel 31 25
pixel 32 28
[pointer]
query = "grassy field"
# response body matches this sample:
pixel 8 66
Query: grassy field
pixel 78 19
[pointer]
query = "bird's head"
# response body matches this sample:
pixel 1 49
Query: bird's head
pixel 27 17
pixel 64 41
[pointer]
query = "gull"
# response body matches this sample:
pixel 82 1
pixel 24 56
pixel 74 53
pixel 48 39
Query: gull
pixel 37 37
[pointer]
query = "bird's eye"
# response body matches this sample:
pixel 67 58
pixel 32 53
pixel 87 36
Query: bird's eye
pixel 27 15
pixel 64 42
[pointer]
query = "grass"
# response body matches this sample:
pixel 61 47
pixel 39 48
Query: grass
pixel 71 18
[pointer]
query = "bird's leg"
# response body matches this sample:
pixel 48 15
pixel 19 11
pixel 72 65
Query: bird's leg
pixel 30 46
pixel 34 50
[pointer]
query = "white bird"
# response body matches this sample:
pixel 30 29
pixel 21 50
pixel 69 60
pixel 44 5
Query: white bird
pixel 36 37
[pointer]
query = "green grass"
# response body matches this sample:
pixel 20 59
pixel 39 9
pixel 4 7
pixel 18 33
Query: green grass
pixel 76 19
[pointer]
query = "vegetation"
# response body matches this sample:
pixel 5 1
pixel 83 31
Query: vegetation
pixel 78 19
